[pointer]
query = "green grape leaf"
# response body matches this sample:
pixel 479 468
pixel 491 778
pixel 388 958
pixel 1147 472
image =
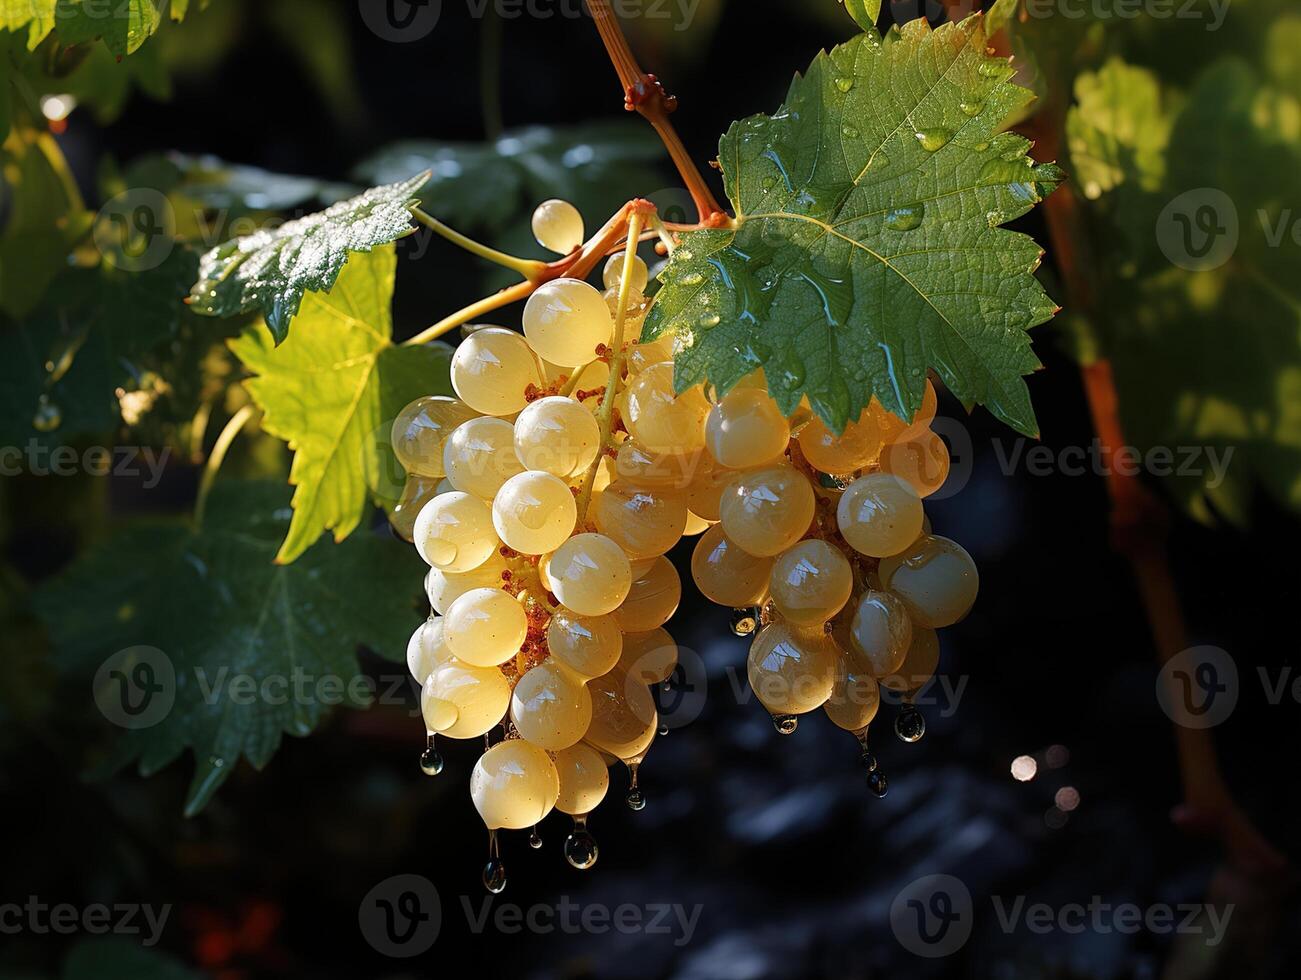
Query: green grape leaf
pixel 868 246
pixel 272 270
pixel 332 391
pixel 36 16
pixel 123 24
pixel 1000 15
pixel 864 12
pixel 1118 129
pixel 219 608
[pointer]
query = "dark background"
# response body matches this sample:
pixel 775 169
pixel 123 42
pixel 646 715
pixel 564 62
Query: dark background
pixel 793 862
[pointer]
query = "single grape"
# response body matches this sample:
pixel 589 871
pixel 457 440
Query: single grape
pixel 649 657
pixel 480 695
pixel 855 448
pixel 705 491
pixel 558 226
pixel 551 707
pixel 935 578
pixel 566 320
pixel 854 700
pixel 444 588
pixel 588 645
pixel 919 663
pixel 726 574
pixel 427 649
pixel 590 574
pixel 485 627
pixel 766 511
pixel 879 515
pixel 480 457
pixel 641 356
pixel 612 275
pixel 624 719
pixel 439 713
pixel 811 582
pixel 652 599
pixel 492 370
pixel 639 467
pixel 416 492
pixel 584 779
pixel 421 429
pixel 746 429
pixel 792 670
pixel 454 532
pixel 557 435
pixel 644 523
pixel 660 420
pixel 894 429
pixel 534 513
pixel 514 785
pixel 923 462
pixel 880 634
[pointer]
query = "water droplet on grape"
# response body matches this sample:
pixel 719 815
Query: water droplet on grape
pixel 535 840
pixel 431 762
pixel 494 876
pixel 580 846
pixel 909 724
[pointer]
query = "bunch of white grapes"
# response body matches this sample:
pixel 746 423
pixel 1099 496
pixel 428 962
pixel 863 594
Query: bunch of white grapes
pixel 545 497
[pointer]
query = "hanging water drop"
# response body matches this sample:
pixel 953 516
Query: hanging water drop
pixel 580 846
pixel 785 724
pixel 431 763
pixel 535 840
pixel 494 872
pixel 745 621
pixel 635 799
pixel 48 415
pixel 909 724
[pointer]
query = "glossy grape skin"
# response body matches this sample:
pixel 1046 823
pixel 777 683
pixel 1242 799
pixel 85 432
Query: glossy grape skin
pixel 590 574
pixel 624 719
pixel 612 274
pixel 551 707
pixel 566 320
pixel 588 645
pixel 454 532
pixel 879 515
pixel 638 467
pixel 644 523
pixel 481 696
pixel 438 713
pixel 485 627
pixel 652 599
pixel 480 456
pixel 558 226
pixel 416 492
pixel 649 657
pixel 922 461
pixel 444 588
pixel 726 574
pixel 492 370
pixel 421 430
pixel 811 582
pixel 558 436
pixel 534 513
pixel 792 670
pixel 746 429
pixel 935 578
pixel 514 785
pixel 894 429
pixel 766 511
pixel 919 663
pixel 705 491
pixel 854 701
pixel 880 633
pixel 584 779
pixel 857 447
pixel 641 356
pixel 661 421
pixel 427 649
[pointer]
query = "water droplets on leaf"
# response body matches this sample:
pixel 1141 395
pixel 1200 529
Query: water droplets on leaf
pixel 849 132
pixel 996 217
pixel 709 321
pixel 692 279
pixel 845 84
pixel 934 138
pixel 971 108
pixel 905 218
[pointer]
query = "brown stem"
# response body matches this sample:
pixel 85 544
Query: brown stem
pixel 645 94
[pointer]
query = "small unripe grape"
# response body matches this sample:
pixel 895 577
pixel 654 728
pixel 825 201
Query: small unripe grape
pixel 919 663
pixel 551 707
pixel 766 511
pixel 624 719
pixel 792 670
pixel 588 645
pixel 558 226
pixel 705 491
pixel 649 657
pixel 439 713
pixel 514 785
pixel 660 420
pixel 726 574
pixel 421 429
pixel 644 523
pixel 880 634
pixel 480 695
pixel 558 436
pixel 641 356
pixel 454 532
pixel 922 461
pixel 935 578
pixel 444 588
pixel 566 320
pixel 584 779
pixel 590 574
pixel 416 492
pixel 811 582
pixel 652 599
pixel 427 649
pixel 486 627
pixel 638 467
pixel 746 429
pixel 492 370
pixel 612 275
pixel 855 448
pixel 879 515
pixel 480 457
pixel 854 700
pixel 534 513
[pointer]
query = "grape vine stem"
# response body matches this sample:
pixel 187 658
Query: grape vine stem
pixel 217 456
